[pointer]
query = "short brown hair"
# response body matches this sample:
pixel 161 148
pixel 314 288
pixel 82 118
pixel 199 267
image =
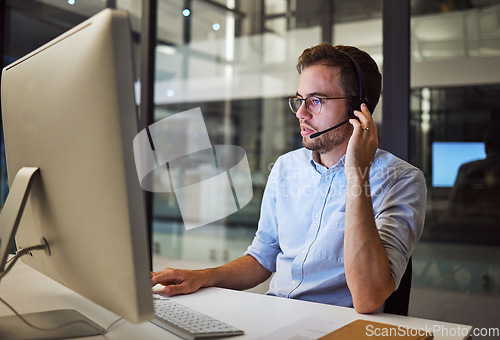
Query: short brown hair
pixel 326 54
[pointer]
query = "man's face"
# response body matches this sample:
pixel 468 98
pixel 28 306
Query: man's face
pixel 323 81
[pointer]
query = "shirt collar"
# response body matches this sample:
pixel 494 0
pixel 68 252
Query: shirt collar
pixel 314 159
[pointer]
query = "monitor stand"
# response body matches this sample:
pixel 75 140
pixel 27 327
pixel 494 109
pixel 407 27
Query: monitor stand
pixel 12 211
pixel 54 324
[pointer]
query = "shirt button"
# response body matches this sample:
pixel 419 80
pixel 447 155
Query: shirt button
pixel 303 251
pixel 327 178
pixel 294 282
pixel 316 215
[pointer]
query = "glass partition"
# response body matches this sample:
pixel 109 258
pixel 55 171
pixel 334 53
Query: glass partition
pixel 236 61
pixel 455 117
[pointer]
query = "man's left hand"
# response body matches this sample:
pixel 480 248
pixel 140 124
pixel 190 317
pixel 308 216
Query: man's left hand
pixel 362 145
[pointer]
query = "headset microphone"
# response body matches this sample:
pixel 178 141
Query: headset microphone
pixel 317 134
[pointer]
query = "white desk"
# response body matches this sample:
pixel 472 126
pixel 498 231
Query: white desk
pixel 29 291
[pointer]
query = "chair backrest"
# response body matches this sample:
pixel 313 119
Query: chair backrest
pixel 399 300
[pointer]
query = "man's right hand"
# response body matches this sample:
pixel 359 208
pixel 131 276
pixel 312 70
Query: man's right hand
pixel 179 281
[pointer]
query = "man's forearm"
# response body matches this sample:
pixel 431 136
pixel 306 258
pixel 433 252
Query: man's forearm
pixel 366 263
pixel 243 273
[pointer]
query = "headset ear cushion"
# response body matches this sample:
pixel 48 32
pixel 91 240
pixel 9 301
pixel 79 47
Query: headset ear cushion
pixel 356 105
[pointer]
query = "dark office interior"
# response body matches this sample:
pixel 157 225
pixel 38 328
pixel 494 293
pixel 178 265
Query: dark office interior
pixel 235 59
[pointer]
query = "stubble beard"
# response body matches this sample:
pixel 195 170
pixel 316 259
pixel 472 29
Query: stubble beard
pixel 327 141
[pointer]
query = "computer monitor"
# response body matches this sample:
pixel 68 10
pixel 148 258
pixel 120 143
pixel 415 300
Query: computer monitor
pixel 447 157
pixel 68 109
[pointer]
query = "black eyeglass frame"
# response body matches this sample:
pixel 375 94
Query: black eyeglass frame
pixel 302 100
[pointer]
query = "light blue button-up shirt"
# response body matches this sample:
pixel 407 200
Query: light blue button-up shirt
pixel 301 229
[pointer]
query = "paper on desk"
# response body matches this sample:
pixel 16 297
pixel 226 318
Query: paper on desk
pixel 310 328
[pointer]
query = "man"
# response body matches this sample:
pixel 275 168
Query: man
pixel 339 217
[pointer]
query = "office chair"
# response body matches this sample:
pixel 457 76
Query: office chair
pixel 398 301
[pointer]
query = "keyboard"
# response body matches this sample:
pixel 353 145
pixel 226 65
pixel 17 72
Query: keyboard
pixel 187 323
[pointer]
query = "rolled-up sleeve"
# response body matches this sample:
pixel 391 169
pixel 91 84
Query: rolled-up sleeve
pixel 265 245
pixel 400 217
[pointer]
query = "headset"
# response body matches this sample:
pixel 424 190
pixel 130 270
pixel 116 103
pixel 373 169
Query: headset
pixel 357 101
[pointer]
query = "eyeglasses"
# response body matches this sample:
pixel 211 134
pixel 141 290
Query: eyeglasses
pixel 313 103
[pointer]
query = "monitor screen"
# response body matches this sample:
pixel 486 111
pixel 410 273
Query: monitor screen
pixel 68 109
pixel 447 157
